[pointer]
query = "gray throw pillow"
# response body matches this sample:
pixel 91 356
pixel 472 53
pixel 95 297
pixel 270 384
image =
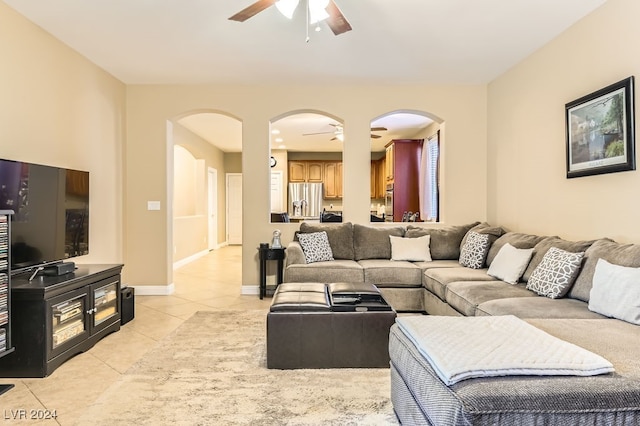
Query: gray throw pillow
pixel 555 275
pixel 474 251
pixel 494 232
pixel 545 244
pixel 315 246
pixel 340 237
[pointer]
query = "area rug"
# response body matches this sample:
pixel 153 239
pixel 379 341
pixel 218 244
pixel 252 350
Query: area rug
pixel 212 371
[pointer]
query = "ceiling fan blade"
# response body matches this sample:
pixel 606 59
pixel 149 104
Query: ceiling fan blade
pixel 375 136
pixel 252 10
pixel 378 129
pixel 336 20
pixel 319 133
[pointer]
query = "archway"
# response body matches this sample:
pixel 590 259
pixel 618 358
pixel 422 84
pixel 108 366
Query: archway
pixel 306 166
pixel 405 172
pixel 205 145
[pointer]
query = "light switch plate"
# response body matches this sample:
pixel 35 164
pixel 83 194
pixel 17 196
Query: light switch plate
pixel 153 205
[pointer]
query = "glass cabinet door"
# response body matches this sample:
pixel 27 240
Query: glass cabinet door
pixel 105 302
pixel 68 319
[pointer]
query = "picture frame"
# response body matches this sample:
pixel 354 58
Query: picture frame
pixel 600 131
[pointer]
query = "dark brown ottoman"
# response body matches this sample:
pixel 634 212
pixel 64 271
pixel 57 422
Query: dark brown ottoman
pixel 306 330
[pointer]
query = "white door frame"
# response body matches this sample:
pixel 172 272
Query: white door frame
pixel 212 208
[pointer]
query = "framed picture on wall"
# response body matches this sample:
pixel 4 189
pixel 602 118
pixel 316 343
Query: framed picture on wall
pixel 600 131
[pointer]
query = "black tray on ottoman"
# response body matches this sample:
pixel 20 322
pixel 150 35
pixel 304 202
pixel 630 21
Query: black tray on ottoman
pixel 360 297
pixel 305 330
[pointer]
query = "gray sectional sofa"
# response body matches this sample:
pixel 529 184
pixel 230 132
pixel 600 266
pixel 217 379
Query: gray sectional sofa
pixel 363 254
pixel 444 287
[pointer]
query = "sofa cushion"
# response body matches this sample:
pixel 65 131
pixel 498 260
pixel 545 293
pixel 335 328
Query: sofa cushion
pixel 465 296
pixel 372 242
pixel 474 251
pixel 445 241
pixel 516 239
pixel 340 237
pixel 611 340
pixel 411 249
pixel 616 292
pixel 510 263
pixel 446 263
pixel 612 252
pixel 537 307
pixel 545 244
pixel 326 272
pixel 436 280
pixel 315 246
pixel 555 275
pixel 391 273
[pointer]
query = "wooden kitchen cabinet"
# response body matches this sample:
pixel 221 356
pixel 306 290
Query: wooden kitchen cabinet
pixel 389 162
pixel 378 178
pixel 333 179
pixel 306 171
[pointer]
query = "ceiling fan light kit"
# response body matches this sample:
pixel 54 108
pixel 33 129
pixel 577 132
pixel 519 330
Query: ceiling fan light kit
pixel 317 11
pixel 287 7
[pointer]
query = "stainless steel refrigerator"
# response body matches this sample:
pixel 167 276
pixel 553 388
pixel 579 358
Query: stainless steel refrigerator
pixel 305 200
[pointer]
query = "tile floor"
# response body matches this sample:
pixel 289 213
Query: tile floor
pixel 210 283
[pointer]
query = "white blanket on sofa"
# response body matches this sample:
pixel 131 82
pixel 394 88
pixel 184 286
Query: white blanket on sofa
pixel 460 348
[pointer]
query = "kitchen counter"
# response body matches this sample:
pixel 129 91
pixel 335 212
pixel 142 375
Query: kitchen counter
pixel 296 219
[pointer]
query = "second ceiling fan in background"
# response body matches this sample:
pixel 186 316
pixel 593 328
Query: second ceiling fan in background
pixel 339 132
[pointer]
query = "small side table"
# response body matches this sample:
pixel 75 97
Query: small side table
pixel 269 253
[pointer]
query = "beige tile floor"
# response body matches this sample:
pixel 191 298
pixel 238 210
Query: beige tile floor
pixel 210 283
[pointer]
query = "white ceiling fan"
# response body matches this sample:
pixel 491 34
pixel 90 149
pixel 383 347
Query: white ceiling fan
pixel 338 132
pixel 317 11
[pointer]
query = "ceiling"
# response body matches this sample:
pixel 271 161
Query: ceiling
pixel 392 42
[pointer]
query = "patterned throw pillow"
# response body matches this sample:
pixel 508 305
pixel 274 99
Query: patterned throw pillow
pixel 315 246
pixel 555 274
pixel 474 251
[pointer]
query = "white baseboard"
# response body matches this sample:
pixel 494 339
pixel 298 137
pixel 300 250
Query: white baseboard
pixel 250 289
pixel 153 290
pixel 190 259
pixel 197 256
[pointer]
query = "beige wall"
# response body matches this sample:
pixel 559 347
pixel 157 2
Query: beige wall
pixel 59 109
pixel 463 109
pixel 528 189
pixel 191 233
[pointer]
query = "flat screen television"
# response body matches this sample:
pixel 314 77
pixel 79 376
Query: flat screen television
pixel 51 205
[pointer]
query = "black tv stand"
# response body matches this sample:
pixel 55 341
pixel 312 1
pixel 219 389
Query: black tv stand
pixel 57 317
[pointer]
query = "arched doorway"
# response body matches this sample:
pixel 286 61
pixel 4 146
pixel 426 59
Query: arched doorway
pixel 405 172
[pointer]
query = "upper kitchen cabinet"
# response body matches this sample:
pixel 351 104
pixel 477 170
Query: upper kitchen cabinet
pixel 306 171
pixel 378 178
pixel 333 179
pixel 389 162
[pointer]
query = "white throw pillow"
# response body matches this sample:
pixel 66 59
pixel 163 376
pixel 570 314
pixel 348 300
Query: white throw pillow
pixel 510 263
pixel 616 292
pixel 315 246
pixel 412 249
pixel 474 251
